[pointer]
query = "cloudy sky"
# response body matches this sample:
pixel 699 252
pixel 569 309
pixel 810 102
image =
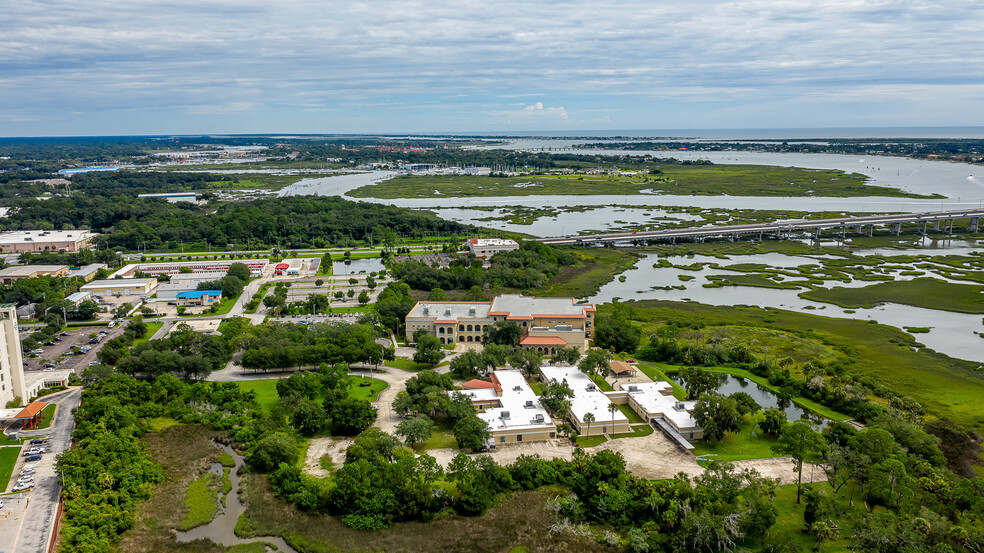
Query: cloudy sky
pixel 96 67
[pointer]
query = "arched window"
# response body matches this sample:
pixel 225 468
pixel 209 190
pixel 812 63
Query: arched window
pixel 469 328
pixel 469 338
pixel 440 330
pixel 478 328
pixel 461 328
pixel 442 341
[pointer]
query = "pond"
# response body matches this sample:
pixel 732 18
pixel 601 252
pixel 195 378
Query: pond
pixel 729 384
pixel 222 529
pixel 356 266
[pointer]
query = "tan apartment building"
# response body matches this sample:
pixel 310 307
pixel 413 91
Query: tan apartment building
pixel 17 241
pixel 547 323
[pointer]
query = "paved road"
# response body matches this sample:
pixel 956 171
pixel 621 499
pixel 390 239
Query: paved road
pixel 40 505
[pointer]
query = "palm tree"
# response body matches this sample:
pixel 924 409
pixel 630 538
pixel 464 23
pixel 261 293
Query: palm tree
pixel 588 419
pixel 612 408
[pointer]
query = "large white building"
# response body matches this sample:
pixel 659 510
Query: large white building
pixel 588 399
pixel 11 358
pixel 487 247
pixel 511 409
pixel 16 241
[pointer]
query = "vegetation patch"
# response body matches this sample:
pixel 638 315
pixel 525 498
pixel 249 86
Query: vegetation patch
pixel 8 458
pixel 928 293
pixel 201 501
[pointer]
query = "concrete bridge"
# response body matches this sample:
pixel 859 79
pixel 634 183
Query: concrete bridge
pixel 939 220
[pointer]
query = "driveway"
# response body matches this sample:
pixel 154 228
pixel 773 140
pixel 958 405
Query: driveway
pixel 36 508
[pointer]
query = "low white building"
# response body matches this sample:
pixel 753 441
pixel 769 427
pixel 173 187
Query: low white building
pixel 121 287
pixel 512 410
pixel 487 247
pixel 588 399
pixel 654 402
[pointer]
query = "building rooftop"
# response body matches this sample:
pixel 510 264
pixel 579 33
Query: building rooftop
pixel 450 310
pixel 88 269
pixel 78 296
pixel 492 242
pixel 521 408
pixel 199 293
pixel 518 306
pixel 657 399
pixel 32 409
pixel 118 283
pixel 587 398
pixel 27 270
pixel 20 236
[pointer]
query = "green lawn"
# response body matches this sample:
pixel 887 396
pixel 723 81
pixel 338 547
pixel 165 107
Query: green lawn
pixel 225 306
pixel 266 390
pixel 637 431
pixel 200 501
pixel 633 417
pixel 748 443
pixel 602 384
pixel 410 365
pixel 591 441
pixel 441 439
pixel 152 327
pixel 656 374
pixel 4 440
pixel 8 458
pixel 49 415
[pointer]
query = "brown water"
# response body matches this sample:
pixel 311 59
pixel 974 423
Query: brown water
pixel 222 529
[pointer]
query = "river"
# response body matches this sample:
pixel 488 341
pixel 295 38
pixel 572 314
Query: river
pixel 222 529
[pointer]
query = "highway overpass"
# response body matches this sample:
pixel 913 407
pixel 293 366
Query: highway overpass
pixel 939 220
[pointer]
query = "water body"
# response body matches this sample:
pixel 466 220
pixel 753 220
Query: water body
pixel 565 222
pixel 357 266
pixel 729 384
pixel 950 333
pixel 222 529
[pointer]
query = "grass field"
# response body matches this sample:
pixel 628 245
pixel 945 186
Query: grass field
pixel 592 440
pixel 410 365
pixel 697 180
pixel 638 431
pixel 945 387
pixel 152 327
pixel 748 443
pixel 266 390
pixel 929 293
pixel 48 413
pixel 200 501
pixel 8 458
pixel 440 439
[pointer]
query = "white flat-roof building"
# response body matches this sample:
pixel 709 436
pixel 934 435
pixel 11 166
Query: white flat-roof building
pixel 214 269
pixel 16 241
pixel 588 399
pixel 17 272
pixel 487 247
pixel 173 197
pixel 121 287
pixel 512 410
pixel 654 401
pixel 88 272
pixel 78 297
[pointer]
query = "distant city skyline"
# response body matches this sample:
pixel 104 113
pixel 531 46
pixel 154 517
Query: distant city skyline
pixel 108 67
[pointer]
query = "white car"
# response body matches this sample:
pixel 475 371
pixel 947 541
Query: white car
pixel 22 487
pixel 27 472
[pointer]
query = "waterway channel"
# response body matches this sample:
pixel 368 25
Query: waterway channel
pixel 222 529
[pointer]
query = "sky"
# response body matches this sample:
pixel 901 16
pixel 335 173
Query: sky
pixel 110 67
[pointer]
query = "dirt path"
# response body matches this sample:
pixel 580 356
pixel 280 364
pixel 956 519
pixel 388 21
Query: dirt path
pixel 318 448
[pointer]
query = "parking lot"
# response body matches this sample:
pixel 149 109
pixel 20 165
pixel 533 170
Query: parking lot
pixel 60 354
pixel 27 517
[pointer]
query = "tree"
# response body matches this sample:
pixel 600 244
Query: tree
pixel 437 294
pixel 467 365
pixel 319 282
pixel 351 416
pixel 557 398
pixel 273 449
pixel 566 355
pixel 617 333
pixel 363 297
pixel 773 421
pixel 801 442
pixel 526 360
pixel 429 350
pixel 506 333
pixel 309 417
pixel 475 293
pixel 588 419
pixel 415 430
pixel 240 271
pixel 597 361
pixel 612 408
pixel 495 355
pixel 472 433
pixel 718 415
pixel 745 403
pixel 698 382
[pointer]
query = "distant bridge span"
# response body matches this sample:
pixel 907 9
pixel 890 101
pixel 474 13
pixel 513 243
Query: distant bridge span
pixel 940 220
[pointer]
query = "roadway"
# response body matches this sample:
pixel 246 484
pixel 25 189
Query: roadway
pixel 33 512
pixel 774 227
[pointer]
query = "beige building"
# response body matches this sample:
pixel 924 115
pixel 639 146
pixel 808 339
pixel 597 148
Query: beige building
pixel 590 411
pixel 16 241
pixel 17 272
pixel 654 402
pixel 11 358
pixel 547 323
pixel 121 287
pixel 511 409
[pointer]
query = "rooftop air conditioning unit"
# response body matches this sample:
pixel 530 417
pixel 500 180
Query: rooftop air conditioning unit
pixel 590 387
pixel 633 388
pixel 471 311
pixel 678 406
pixel 504 415
pixel 538 418
pixel 529 404
pixel 447 311
pixel 426 310
pixel 517 388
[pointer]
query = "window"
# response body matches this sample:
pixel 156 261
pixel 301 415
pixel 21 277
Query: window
pixel 524 324
pixel 440 330
pixel 478 328
pixel 461 328
pixel 519 437
pixel 502 440
pixel 469 328
pixel 552 434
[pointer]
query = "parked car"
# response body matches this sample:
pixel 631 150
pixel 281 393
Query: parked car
pixel 33 458
pixel 49 365
pixel 22 487
pixel 1 504
pixel 94 363
pixel 26 472
pixel 25 479
pixel 65 334
pixel 38 441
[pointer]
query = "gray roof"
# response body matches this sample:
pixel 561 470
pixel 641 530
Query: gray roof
pixel 518 305
pixel 446 310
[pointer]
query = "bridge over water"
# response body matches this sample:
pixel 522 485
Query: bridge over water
pixel 939 220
